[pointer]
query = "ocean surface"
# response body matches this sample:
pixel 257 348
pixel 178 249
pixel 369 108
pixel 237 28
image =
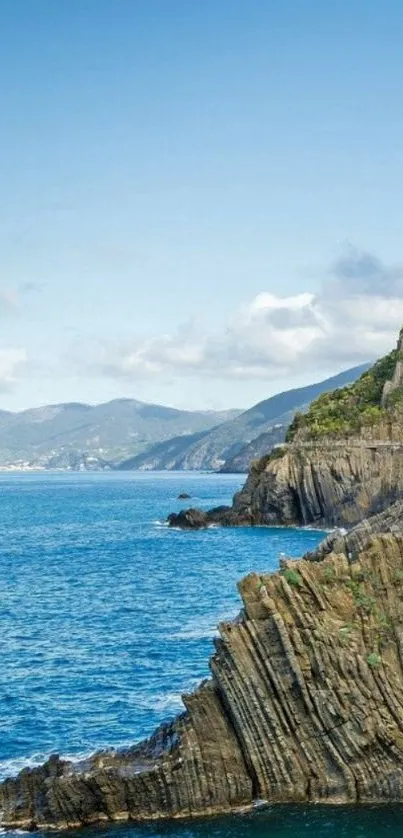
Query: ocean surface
pixel 107 616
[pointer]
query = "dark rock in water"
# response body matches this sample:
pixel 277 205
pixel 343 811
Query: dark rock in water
pixel 183 496
pixel 188 519
pixel 305 704
pixel 197 519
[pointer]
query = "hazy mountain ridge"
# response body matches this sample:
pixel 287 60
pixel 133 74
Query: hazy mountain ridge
pixel 232 445
pixel 108 432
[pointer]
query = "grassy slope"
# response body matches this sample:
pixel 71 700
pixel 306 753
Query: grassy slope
pixel 346 410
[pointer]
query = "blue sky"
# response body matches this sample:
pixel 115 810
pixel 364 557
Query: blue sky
pixel 202 199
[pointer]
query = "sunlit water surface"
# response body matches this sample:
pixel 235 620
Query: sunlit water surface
pixel 107 617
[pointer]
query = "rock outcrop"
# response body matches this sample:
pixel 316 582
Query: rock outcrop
pixel 305 703
pixel 322 486
pixel 312 485
pixel 198 519
pixel 355 540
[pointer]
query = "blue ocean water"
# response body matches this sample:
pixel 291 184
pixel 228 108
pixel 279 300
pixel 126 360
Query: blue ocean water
pixel 107 616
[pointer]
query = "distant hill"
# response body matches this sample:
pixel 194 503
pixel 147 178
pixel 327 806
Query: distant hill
pixel 232 445
pixel 168 455
pixel 75 435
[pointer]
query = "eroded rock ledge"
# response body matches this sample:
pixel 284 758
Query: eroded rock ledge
pixel 305 704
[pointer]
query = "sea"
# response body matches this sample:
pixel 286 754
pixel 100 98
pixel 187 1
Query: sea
pixel 107 617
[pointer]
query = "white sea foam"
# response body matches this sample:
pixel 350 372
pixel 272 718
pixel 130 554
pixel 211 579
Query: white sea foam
pixel 196 629
pixel 196 633
pixel 259 802
pixel 12 767
pixel 168 701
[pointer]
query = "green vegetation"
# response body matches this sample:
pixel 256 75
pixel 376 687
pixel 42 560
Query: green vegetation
pixel 374 660
pixel 383 621
pixel 277 453
pixel 362 600
pixel 260 464
pixel 293 577
pixel 347 410
pixel 344 634
pixel 329 574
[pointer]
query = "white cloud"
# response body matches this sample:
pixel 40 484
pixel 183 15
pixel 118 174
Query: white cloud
pixel 353 318
pixel 12 363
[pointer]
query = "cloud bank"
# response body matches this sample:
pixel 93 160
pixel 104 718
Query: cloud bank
pixel 355 317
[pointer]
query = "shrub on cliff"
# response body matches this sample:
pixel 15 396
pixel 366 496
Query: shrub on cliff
pixel 275 454
pixel 346 410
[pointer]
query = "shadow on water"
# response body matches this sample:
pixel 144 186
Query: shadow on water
pixel 271 822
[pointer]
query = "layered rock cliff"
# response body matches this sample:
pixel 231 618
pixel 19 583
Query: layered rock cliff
pixel 322 486
pixel 311 485
pixel 305 703
pixel 342 462
pixel 355 540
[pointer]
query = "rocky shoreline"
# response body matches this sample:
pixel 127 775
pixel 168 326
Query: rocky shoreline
pixel 305 703
pixel 311 486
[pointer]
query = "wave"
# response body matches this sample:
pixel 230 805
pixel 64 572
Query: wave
pixel 195 633
pixel 168 701
pixel 11 767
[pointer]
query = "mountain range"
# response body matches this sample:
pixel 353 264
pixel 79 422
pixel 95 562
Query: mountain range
pixel 232 445
pixel 76 435
pixel 128 434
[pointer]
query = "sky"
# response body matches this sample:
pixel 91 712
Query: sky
pixel 202 200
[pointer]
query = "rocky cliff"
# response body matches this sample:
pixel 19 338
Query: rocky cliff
pixel 355 540
pixel 342 461
pixel 311 485
pixel 322 486
pixel 305 703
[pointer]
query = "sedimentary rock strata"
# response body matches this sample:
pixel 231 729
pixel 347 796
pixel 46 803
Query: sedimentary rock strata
pixel 305 703
pixel 322 485
pixel 355 540
pixel 312 485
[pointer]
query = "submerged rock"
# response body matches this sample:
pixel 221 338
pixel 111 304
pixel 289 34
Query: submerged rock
pixel 305 704
pixel 183 496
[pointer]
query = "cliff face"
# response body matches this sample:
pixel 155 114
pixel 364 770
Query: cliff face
pixel 342 462
pixel 322 486
pixel 305 704
pixel 352 542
